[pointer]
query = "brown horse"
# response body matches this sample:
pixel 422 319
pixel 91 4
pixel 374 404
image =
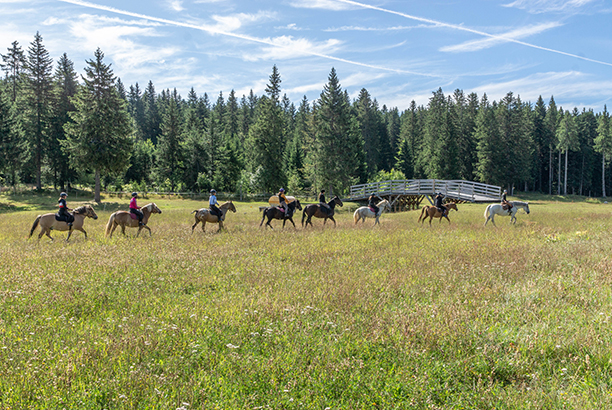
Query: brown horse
pixel 203 215
pixel 272 212
pixel 317 211
pixel 48 222
pixel 433 212
pixel 124 219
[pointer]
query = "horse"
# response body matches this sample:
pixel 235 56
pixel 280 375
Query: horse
pixel 316 211
pixel 273 212
pixel 364 212
pixel 433 212
pixel 497 209
pixel 48 222
pixel 124 219
pixel 203 215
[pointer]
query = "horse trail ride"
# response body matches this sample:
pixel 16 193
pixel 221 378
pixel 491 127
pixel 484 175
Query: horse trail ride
pixel 325 211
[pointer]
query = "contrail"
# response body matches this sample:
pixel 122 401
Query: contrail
pixel 469 30
pixel 211 30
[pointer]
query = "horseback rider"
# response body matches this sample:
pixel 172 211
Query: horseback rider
pixel 438 203
pixel 282 200
pixel 64 212
pixel 323 203
pixel 213 204
pixel 504 202
pixel 135 209
pixel 372 203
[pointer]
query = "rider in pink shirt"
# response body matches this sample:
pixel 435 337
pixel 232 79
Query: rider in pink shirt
pixel 135 209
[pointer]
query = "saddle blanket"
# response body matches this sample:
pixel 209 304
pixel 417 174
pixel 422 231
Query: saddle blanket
pixel 372 209
pixel 133 216
pixel 62 218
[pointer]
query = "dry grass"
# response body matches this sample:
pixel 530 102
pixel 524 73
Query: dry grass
pixel 397 316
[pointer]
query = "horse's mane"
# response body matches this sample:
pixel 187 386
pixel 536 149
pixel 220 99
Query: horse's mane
pixel 80 210
pixel 520 203
pixel 149 207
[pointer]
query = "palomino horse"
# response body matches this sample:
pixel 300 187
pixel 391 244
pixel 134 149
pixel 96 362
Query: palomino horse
pixel 203 215
pixel 433 212
pixel 496 209
pixel 273 212
pixel 47 222
pixel 364 212
pixel 124 219
pixel 317 211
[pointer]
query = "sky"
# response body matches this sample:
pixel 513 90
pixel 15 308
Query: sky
pixel 399 50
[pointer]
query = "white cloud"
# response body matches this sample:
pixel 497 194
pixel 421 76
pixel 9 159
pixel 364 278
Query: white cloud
pixel 546 6
pixel 290 26
pixel 176 5
pixel 287 47
pixel 515 34
pixel 321 4
pixel 394 28
pixel 233 22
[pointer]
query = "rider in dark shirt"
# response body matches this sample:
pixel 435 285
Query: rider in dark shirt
pixel 63 212
pixel 504 202
pixel 323 203
pixel 438 203
pixel 372 204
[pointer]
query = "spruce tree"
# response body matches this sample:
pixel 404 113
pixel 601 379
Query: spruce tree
pixel 603 144
pixel 14 64
pixel 98 138
pixel 551 121
pixel 151 113
pixel 170 147
pixel 567 139
pixel 12 144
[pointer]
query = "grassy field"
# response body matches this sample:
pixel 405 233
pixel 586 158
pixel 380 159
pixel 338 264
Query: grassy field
pixel 398 316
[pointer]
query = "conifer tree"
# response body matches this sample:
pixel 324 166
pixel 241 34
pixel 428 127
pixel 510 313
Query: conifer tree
pixel 603 144
pixel 39 98
pixel 489 151
pixel 567 139
pixel 12 144
pixel 151 113
pixel 98 138
pixel 551 121
pixel 14 64
pixel 170 147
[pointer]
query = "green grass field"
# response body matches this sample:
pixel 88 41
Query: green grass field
pixel 402 315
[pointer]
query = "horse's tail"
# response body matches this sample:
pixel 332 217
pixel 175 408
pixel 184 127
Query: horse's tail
pixel 486 213
pixel 304 215
pixel 422 213
pixel 35 225
pixel 195 211
pixel 356 216
pixel 263 216
pixel 110 223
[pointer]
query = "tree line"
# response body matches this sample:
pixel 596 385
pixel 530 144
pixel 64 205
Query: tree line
pixel 59 128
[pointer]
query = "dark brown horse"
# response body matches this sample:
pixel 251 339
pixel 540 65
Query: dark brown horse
pixel 48 222
pixel 272 212
pixel 433 212
pixel 317 211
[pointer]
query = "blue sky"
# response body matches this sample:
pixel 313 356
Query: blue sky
pixel 399 50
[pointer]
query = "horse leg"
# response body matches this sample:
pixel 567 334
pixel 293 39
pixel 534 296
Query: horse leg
pixel 113 230
pixel 69 234
pixel 197 221
pixel 220 226
pixel 84 232
pixel 291 220
pixel 48 233
pixel 333 220
pixel 204 226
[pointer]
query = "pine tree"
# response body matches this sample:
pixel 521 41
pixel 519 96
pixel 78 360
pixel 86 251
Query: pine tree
pixel 603 144
pixel 14 64
pixel 151 115
pixel 170 147
pixel 489 151
pixel 551 121
pixel 567 139
pixel 339 153
pixel 39 100
pixel 98 138
pixel 366 118
pixel 66 85
pixel 12 144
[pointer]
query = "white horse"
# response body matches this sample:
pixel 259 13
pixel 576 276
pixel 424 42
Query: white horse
pixel 497 209
pixel 364 212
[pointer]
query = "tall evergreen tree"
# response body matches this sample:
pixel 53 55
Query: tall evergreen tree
pixel 551 121
pixel 170 147
pixel 14 64
pixel 11 138
pixel 489 148
pixel 339 151
pixel 603 144
pixel 151 114
pixel 98 138
pixel 567 139
pixel 39 100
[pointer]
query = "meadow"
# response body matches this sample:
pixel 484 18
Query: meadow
pixel 397 316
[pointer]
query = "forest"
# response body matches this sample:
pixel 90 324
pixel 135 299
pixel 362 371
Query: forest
pixel 60 129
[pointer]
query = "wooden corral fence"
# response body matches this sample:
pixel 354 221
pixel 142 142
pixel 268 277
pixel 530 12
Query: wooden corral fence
pixel 405 195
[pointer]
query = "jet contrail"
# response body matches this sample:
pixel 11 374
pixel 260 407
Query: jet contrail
pixel 469 30
pixel 212 30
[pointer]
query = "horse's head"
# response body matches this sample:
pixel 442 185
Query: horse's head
pixel 89 211
pixel 526 207
pixel 337 201
pixel 452 205
pixel 154 209
pixel 386 205
pixel 297 204
pixel 230 206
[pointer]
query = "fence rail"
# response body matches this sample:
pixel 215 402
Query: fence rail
pixel 456 189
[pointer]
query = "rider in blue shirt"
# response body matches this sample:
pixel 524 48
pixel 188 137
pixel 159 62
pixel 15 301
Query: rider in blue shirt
pixel 212 202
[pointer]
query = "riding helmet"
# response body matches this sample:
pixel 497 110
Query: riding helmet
pixel 282 190
pixel 63 194
pixel 212 191
pixel 134 194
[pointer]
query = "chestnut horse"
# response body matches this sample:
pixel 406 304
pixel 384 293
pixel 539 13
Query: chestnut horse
pixel 124 219
pixel 272 212
pixel 48 222
pixel 203 215
pixel 317 211
pixel 433 212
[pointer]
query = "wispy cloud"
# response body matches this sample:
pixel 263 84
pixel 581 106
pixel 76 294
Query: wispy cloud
pixel 393 28
pixel 290 26
pixel 320 4
pixel 515 34
pixel 234 22
pixel 263 41
pixel 287 47
pixel 176 5
pixel 547 6
pixel 470 30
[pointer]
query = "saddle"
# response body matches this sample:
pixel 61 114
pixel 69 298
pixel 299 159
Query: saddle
pixel 280 209
pixel 133 216
pixel 372 209
pixel 506 206
pixel 64 218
